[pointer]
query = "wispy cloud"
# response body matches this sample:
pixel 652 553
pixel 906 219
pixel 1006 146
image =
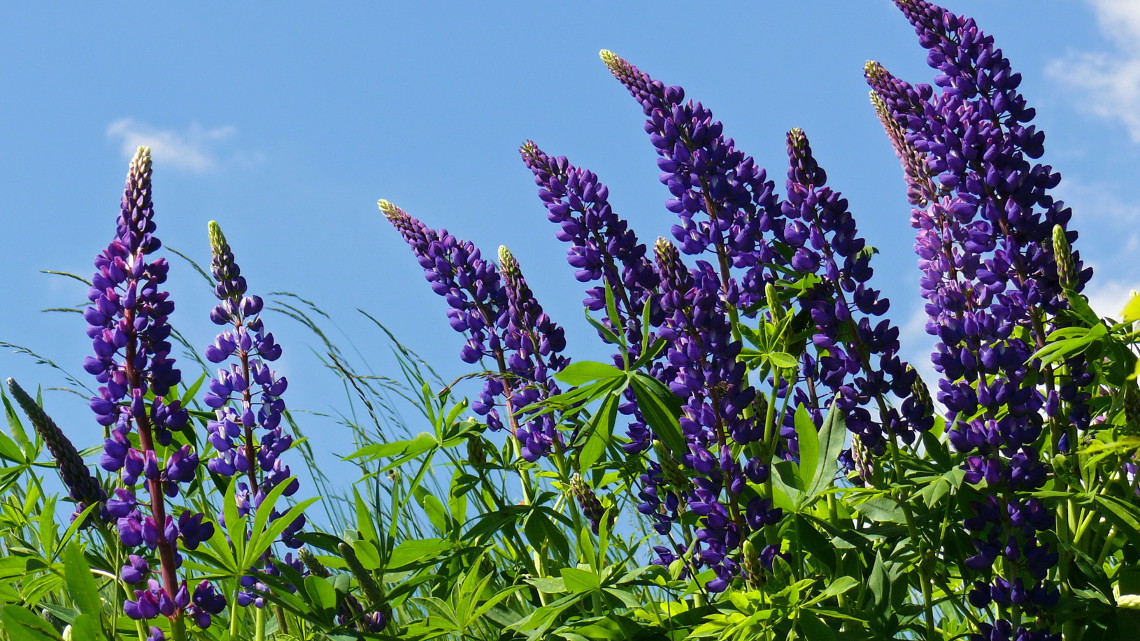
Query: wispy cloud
pixel 1108 298
pixel 1109 82
pixel 1099 202
pixel 193 149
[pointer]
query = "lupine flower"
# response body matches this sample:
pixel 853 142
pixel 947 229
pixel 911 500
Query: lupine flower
pixel 724 200
pixel 602 248
pixel 986 250
pixel 246 396
pixel 535 343
pixel 858 361
pixel 716 394
pixel 129 331
pixel 82 486
pixel 502 321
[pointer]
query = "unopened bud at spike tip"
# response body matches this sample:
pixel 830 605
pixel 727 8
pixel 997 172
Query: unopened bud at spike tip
pixel 1063 255
pixel 610 58
pixel 217 238
pixel 388 209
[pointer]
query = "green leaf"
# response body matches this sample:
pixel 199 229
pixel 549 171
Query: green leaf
pixel 878 583
pixel 85 627
pixel 782 360
pixel 601 427
pixel 403 449
pixel 413 551
pixel 321 592
pixel 809 445
pixel 580 580
pixel 661 409
pixel 434 509
pixel 813 628
pixel 829 444
pixel 15 425
pixel 839 586
pixel 881 510
pixel 581 372
pixel 548 585
pixel 80 584
pixel 367 554
pixel 234 523
pixel 1131 311
pixel 22 625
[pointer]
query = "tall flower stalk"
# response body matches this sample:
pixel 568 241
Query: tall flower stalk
pixel 128 325
pixel 994 291
pixel 247 431
pixel 503 322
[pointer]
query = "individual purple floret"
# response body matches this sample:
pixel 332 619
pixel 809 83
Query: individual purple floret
pixel 247 431
pixel 502 321
pixel 129 330
pixel 82 486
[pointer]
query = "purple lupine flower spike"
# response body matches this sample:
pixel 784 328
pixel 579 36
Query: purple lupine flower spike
pixel 993 290
pixel 602 248
pixel 535 343
pixel 715 391
pixel 247 430
pixel 821 232
pixel 129 331
pixel 82 486
pixel 723 198
pixel 497 312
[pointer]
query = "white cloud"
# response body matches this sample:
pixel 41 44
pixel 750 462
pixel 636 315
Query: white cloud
pixel 1109 82
pixel 192 149
pixel 1098 201
pixel 1108 298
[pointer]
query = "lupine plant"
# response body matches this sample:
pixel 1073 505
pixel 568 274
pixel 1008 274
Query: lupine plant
pixel 755 461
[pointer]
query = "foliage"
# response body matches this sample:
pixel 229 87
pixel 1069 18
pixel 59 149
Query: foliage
pixel 755 462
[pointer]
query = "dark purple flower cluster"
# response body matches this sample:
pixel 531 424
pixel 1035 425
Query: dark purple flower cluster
pixel 716 394
pixel 534 343
pixel 857 359
pixel 82 486
pixel 993 288
pixel 129 331
pixel 247 431
pixel 724 200
pixel 602 248
pixel 502 322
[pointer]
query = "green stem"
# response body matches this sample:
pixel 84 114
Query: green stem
pixel 923 565
pixel 259 625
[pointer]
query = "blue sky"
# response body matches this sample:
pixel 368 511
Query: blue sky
pixel 286 124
